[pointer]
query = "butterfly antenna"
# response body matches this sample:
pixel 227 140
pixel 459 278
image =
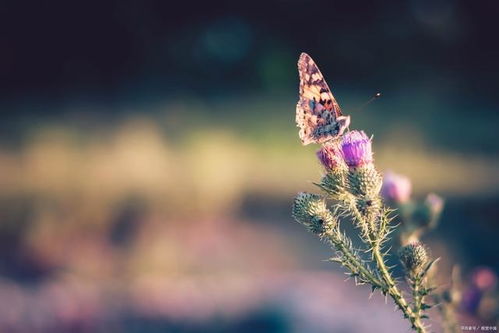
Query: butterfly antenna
pixel 374 97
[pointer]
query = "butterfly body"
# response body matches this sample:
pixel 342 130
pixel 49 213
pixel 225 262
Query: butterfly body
pixel 318 115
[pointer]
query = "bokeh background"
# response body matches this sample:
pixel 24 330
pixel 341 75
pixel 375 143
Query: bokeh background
pixel 149 157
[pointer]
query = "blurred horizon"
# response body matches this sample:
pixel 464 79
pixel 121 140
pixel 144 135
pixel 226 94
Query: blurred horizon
pixel 149 157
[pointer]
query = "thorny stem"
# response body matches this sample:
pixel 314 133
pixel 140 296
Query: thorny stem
pixel 391 289
pixel 355 263
pixel 418 298
pixel 394 292
pixel 350 203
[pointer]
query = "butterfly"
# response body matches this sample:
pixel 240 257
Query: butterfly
pixel 318 115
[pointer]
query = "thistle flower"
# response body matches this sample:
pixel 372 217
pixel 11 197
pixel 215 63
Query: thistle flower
pixel 331 157
pixel 363 178
pixel 311 211
pixel 396 188
pixel 356 149
pixel 413 256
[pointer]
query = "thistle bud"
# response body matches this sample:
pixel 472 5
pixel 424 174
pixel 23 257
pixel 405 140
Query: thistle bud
pixel 311 211
pixel 413 256
pixel 435 204
pixel 365 181
pixel 396 188
pixel 428 213
pixel 331 157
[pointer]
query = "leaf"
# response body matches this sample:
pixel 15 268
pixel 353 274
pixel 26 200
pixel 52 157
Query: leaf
pixel 423 292
pixel 425 306
pixel 427 291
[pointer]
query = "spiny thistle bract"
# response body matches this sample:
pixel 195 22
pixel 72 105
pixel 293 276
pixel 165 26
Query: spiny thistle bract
pixel 363 178
pixel 334 184
pixel 414 257
pixel 353 183
pixel 311 211
pixel 334 181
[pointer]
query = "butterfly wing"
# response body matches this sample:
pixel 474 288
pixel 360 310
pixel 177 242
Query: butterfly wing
pixel 313 85
pixel 317 111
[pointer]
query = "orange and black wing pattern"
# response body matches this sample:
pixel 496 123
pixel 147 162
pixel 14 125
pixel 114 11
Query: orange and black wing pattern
pixel 317 110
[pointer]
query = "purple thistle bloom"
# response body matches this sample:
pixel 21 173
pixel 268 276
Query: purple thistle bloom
pixel 396 188
pixel 356 147
pixel 330 156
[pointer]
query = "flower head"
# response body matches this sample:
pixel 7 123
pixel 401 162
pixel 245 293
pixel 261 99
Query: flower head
pixel 311 211
pixel 363 178
pixel 330 156
pixel 356 148
pixel 396 188
pixel 413 256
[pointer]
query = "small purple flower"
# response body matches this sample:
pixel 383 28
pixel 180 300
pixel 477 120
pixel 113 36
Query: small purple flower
pixel 330 156
pixel 484 278
pixel 356 147
pixel 435 203
pixel 396 188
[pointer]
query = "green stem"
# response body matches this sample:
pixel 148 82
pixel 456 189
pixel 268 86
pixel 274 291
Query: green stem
pixel 357 264
pixel 417 297
pixel 373 239
pixel 395 293
pixel 351 205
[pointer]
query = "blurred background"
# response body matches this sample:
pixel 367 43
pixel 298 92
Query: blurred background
pixel 149 158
